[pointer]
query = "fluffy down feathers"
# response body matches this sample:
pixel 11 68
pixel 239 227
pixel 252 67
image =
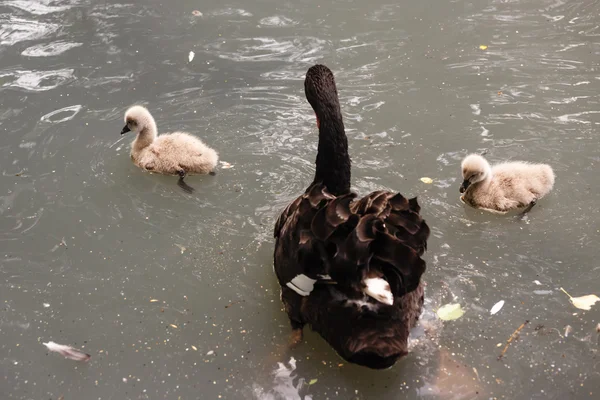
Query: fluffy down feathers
pixel 504 186
pixel 168 153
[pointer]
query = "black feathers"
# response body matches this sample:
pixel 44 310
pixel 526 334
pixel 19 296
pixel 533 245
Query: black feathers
pixel 376 233
pixel 355 246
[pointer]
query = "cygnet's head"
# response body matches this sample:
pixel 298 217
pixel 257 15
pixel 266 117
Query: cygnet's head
pixel 475 169
pixel 137 118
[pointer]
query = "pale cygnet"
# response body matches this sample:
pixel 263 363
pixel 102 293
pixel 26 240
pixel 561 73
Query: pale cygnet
pixel 504 186
pixel 176 153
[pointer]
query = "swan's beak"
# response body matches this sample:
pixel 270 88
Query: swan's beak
pixel 125 130
pixel 464 186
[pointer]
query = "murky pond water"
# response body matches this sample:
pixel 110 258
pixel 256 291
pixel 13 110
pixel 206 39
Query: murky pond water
pixel 174 295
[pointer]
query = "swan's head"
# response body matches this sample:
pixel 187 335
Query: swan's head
pixel 321 92
pixel 475 169
pixel 137 118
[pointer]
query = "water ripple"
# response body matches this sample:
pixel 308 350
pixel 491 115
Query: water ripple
pixel 38 81
pixel 49 49
pixel 278 20
pixel 72 112
pixel 305 49
pixel 41 7
pixel 230 12
pixel 14 29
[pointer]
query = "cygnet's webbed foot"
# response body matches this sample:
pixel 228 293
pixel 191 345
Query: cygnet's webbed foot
pixel 182 184
pixel 523 216
pixel 295 338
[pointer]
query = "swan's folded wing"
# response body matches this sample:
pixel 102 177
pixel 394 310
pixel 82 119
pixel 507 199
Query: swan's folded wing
pixel 287 213
pixel 383 236
pixel 300 258
pixel 398 249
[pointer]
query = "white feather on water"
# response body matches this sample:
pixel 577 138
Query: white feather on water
pixel 497 307
pixel 67 351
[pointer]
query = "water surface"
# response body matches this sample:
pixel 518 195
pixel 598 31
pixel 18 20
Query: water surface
pixel 174 295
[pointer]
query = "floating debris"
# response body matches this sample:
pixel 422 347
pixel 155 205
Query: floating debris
pixel 225 165
pixel 196 13
pixel 568 330
pixel 234 302
pixel 313 381
pixel 512 337
pixel 483 47
pixel 173 326
pixel 46 305
pixel 68 351
pixel 182 248
pixel 497 307
pixel 153 300
pixel 62 243
pixel 583 302
pixel 194 348
pixel 450 312
pixel 210 353
pixel 426 180
pixel 191 56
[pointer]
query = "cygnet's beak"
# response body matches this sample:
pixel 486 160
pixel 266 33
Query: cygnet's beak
pixel 125 130
pixel 464 186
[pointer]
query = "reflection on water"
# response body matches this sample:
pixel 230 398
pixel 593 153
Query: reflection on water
pixel 174 295
pixel 50 49
pixel 40 7
pixel 14 29
pixel 37 80
pixel 286 385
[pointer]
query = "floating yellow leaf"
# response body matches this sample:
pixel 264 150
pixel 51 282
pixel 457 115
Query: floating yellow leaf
pixel 194 347
pixel 312 381
pixel 426 180
pixel 583 302
pixel 483 47
pixel 173 326
pixel 450 312
pixel 153 300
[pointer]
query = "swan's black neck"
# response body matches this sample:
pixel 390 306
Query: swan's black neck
pixel 333 161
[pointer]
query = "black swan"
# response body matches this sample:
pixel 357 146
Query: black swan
pixel 349 268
